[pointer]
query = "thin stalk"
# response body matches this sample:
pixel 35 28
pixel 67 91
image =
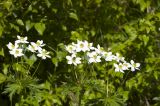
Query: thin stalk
pixel 125 78
pixel 36 68
pixel 106 87
pixel 51 48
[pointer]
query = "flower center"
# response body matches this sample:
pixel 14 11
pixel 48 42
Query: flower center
pixel 17 52
pixel 94 56
pixel 70 48
pixel 120 66
pixel 38 43
pixel 81 45
pixel 12 46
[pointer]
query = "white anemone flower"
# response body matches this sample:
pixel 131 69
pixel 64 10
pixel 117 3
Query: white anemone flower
pixel 16 52
pixel 73 59
pixel 21 39
pixel 89 46
pixel 126 66
pixel 108 56
pixel 71 48
pixel 33 47
pixel 99 49
pixel 93 57
pixel 36 46
pixel 40 43
pixel 119 58
pixel 43 54
pixel 12 46
pixel 119 67
pixel 82 46
pixel 134 65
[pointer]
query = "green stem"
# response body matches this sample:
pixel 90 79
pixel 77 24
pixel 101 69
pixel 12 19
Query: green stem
pixel 106 87
pixel 36 68
pixel 51 48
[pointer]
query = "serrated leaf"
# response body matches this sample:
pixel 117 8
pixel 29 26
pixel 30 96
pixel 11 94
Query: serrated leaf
pixel 73 16
pixel 40 27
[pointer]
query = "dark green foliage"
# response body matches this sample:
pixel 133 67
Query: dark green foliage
pixel 130 27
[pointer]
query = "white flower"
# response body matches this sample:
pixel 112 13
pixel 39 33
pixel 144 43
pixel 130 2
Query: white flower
pixel 35 47
pixel 126 66
pixel 82 46
pixel 21 39
pixel 99 49
pixel 40 43
pixel 71 48
pixel 88 46
pixel 11 46
pixel 16 52
pixel 32 47
pixel 93 57
pixel 43 54
pixel 119 68
pixel 134 66
pixel 108 56
pixel 73 59
pixel 118 58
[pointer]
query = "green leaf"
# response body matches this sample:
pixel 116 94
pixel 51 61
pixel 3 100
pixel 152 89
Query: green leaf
pixel 61 55
pixel 18 67
pixel 29 25
pixel 1 14
pixel 20 22
pixel 14 27
pixel 75 35
pixel 1 30
pixel 7 4
pixel 12 89
pixel 145 39
pixel 2 52
pixel 55 61
pixel 40 27
pixel 73 16
pixel 31 60
pixel 47 3
pixel 2 78
pixel 5 68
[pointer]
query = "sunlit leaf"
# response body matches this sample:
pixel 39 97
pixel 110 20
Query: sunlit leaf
pixel 73 16
pixel 2 78
pixel 40 27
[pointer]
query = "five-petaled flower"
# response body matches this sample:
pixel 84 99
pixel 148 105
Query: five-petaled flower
pixel 93 57
pixel 21 39
pixel 12 46
pixel 16 52
pixel 134 65
pixel 73 59
pixel 43 54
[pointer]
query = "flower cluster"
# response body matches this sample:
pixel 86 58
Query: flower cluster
pixel 84 51
pixel 21 45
